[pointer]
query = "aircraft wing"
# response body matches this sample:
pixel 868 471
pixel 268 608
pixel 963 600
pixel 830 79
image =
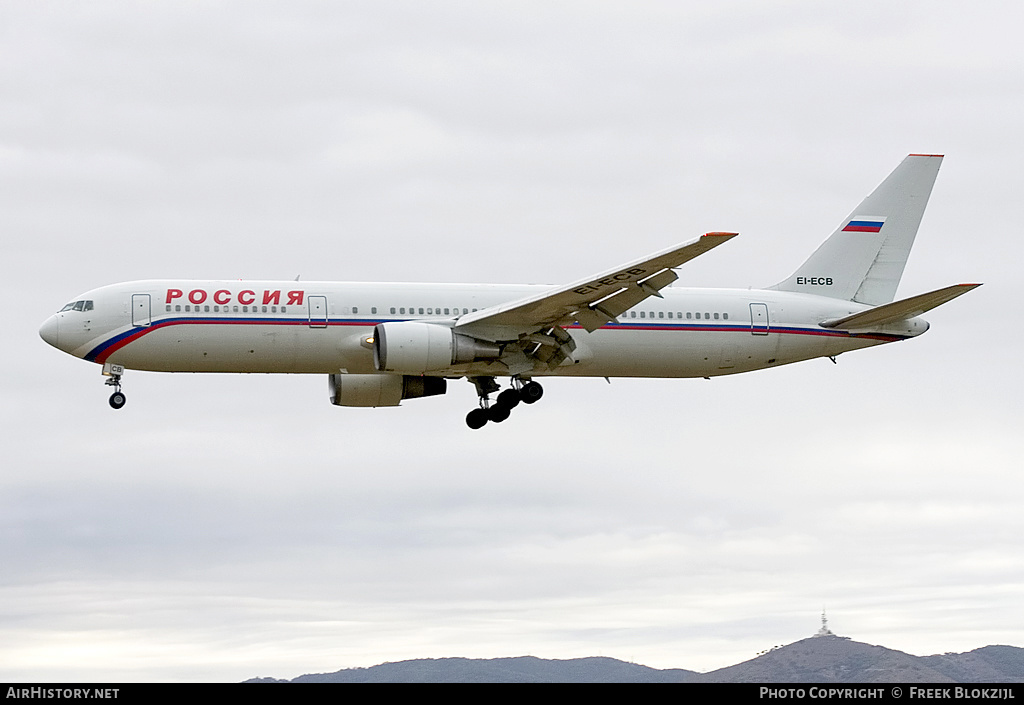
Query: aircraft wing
pixel 593 301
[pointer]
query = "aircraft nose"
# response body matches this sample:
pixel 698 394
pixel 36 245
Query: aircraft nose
pixel 50 331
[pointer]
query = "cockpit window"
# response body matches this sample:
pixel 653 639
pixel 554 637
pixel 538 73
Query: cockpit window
pixel 77 306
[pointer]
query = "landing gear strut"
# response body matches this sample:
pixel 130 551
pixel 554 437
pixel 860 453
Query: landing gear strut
pixel 509 399
pixel 114 372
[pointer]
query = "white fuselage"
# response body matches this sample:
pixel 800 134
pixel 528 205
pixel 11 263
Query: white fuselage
pixel 323 327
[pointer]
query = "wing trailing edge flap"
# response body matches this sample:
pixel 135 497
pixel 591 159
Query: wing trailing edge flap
pixel 899 310
pixel 607 310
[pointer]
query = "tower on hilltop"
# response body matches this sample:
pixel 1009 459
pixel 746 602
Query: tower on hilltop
pixel 824 631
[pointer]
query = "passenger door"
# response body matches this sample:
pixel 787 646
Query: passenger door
pixel 142 314
pixel 759 319
pixel 317 311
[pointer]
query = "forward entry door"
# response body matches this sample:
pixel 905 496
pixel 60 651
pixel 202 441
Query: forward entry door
pixel 141 312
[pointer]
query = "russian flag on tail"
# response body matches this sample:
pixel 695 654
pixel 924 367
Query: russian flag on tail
pixel 865 224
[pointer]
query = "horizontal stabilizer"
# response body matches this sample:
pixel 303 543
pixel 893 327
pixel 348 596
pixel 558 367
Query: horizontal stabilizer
pixel 899 310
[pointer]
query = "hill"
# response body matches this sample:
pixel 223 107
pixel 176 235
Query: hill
pixel 819 659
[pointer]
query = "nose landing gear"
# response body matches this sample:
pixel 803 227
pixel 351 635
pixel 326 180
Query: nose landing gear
pixel 113 374
pixel 509 399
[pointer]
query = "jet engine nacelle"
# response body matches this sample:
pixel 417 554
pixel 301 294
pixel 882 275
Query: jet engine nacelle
pixel 416 348
pixel 382 390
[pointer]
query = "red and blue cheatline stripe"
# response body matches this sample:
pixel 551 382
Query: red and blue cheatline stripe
pixel 105 349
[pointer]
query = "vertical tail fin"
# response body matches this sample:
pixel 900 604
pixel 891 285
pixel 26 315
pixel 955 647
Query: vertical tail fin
pixel 864 258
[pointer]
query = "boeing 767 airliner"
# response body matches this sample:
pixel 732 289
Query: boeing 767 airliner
pixel 382 343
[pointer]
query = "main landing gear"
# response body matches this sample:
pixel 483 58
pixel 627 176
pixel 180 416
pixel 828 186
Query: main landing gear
pixel 113 373
pixel 509 399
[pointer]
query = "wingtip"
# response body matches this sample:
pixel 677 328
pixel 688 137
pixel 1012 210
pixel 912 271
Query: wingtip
pixel 718 234
pixel 926 155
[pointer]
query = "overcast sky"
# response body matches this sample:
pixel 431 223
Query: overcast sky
pixel 223 527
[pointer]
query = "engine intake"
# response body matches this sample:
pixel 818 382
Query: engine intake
pixel 415 348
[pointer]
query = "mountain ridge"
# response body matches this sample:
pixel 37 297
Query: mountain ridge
pixel 817 659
